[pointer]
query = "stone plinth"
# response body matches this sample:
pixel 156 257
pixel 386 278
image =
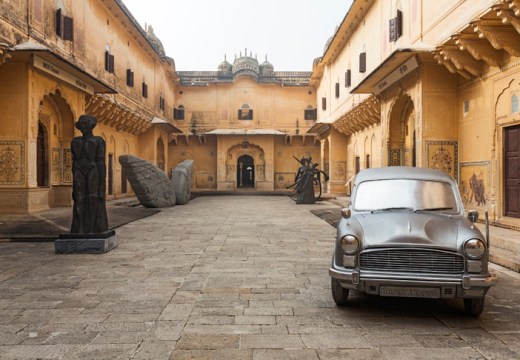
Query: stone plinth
pixel 86 243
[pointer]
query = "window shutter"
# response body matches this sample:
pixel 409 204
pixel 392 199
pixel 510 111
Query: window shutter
pixel 396 27
pixel 181 114
pixel 111 63
pixel 129 78
pixel 324 103
pixel 161 103
pixel 348 79
pixel 145 90
pixel 392 30
pixel 399 24
pixel 68 28
pixel 107 60
pixel 337 90
pixel 250 117
pixel 362 62
pixel 58 22
pixel 175 114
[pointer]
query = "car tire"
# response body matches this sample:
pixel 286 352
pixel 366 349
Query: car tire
pixel 339 293
pixel 474 306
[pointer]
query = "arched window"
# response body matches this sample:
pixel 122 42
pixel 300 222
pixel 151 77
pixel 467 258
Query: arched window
pixel 245 113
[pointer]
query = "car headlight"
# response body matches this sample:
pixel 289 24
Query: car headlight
pixel 349 244
pixel 474 248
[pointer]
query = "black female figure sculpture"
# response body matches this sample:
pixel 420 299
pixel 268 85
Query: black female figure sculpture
pixel 89 214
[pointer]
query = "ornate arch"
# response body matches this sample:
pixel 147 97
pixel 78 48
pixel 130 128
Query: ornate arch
pixel 245 148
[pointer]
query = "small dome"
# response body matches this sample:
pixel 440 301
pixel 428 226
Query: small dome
pixel 266 67
pixel 154 40
pixel 225 66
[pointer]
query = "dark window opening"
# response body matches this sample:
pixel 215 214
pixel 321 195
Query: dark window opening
pixel 109 62
pixel 64 26
pixel 161 103
pixel 367 162
pixel 362 62
pixel 129 78
pixel 348 78
pixel 311 114
pixel 178 113
pixel 145 90
pixel 358 166
pixel 323 103
pixel 337 90
pixel 245 113
pixel 42 165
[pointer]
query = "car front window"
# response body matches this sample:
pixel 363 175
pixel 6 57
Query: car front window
pixel 409 194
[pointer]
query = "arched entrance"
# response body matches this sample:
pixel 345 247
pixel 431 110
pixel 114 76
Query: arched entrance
pixel 401 142
pixel 53 158
pixel 245 172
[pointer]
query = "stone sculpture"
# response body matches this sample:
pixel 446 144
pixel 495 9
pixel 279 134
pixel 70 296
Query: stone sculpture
pixel 152 186
pixel 89 231
pixel 89 213
pixel 181 179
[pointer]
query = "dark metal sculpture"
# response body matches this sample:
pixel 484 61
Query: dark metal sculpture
pixel 89 213
pixel 307 176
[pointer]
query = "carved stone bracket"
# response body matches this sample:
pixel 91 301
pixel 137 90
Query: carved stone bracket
pixel 360 117
pixel 462 60
pixel 479 49
pixel 118 115
pixel 501 37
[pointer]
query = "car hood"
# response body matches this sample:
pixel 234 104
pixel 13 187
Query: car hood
pixel 408 228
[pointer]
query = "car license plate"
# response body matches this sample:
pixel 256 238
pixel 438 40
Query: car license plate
pixel 418 292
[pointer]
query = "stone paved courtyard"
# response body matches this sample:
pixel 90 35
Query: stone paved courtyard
pixel 228 277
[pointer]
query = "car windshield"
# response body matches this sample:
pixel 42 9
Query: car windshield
pixel 407 194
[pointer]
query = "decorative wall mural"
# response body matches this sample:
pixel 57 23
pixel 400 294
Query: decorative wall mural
pixel 474 182
pixel 12 161
pixel 56 165
pixel 340 170
pixel 283 179
pixel 67 167
pixel 443 155
pixel 205 180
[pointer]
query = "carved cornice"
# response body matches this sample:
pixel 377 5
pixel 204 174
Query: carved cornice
pixel 501 37
pixel 479 49
pixel 360 117
pixel 117 115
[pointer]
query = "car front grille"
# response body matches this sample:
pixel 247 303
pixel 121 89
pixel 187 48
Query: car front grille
pixel 412 260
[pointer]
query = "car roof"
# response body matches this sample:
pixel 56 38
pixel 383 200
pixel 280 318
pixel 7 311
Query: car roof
pixel 403 172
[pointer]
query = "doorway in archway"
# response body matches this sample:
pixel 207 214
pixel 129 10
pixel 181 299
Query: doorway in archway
pixel 245 172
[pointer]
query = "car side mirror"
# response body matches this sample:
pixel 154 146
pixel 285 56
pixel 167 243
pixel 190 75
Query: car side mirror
pixel 473 215
pixel 345 213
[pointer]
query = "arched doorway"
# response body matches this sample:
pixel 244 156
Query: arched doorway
pixel 402 142
pixel 245 172
pixel 42 153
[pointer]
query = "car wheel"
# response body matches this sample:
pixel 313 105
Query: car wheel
pixel 339 293
pixel 474 306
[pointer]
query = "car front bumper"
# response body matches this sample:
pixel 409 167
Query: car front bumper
pixel 463 285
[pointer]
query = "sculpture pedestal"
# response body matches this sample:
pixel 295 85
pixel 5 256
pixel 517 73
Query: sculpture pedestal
pixel 86 243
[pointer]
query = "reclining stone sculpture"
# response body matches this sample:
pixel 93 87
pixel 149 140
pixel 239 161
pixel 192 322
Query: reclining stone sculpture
pixel 152 186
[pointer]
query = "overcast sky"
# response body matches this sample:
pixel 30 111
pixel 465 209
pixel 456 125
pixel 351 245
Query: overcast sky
pixel 197 33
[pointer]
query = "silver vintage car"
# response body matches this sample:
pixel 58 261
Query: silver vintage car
pixel 405 234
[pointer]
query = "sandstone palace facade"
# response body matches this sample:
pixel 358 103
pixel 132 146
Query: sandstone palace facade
pixel 60 59
pixel 431 84
pixel 404 82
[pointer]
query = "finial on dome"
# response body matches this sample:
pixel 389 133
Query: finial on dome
pixel 265 57
pixel 225 59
